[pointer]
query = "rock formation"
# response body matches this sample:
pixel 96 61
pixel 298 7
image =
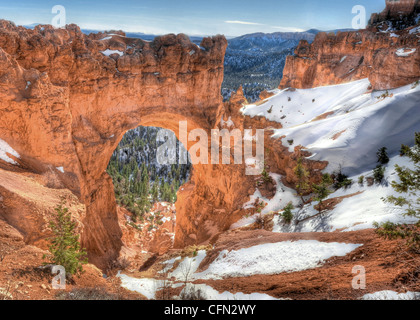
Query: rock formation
pixel 390 58
pixel 397 11
pixel 67 99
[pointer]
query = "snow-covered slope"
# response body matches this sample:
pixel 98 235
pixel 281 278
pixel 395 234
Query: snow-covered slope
pixel 360 207
pixel 344 124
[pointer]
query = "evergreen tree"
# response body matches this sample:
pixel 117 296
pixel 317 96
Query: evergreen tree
pixel 341 180
pixel 65 247
pixel 287 213
pixel 409 188
pixel 383 157
pixel 322 190
pixel 409 183
pixel 405 150
pixel 379 174
pixel 155 192
pixel 302 175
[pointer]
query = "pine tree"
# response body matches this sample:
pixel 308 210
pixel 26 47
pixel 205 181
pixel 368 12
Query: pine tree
pixel 379 174
pixel 405 150
pixel 322 190
pixel 409 183
pixel 302 175
pixel 383 157
pixel 65 247
pixel 341 180
pixel 287 213
pixel 408 187
pixel 155 192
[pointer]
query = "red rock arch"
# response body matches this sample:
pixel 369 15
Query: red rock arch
pixel 63 103
pixel 66 104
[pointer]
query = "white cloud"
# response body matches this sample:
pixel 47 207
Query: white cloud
pixel 288 29
pixel 244 22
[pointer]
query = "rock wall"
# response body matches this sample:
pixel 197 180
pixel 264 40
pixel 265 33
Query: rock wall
pixel 374 53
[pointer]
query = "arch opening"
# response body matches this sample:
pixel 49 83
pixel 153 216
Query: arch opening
pixel 145 187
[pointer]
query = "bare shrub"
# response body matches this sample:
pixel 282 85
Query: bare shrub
pixel 191 293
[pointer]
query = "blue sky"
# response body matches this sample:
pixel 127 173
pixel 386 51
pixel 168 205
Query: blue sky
pixel 193 17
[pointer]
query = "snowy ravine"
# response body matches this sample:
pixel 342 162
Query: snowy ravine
pixel 347 123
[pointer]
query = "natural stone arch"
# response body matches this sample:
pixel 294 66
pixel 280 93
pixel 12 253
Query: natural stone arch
pixel 65 104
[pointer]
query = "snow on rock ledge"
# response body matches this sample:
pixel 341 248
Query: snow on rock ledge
pixel 405 52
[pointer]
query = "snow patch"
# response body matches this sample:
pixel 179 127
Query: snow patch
pixel 109 52
pixel 364 119
pixel 415 30
pixel 6 149
pixel 229 123
pixel 405 52
pixel 146 287
pixel 391 295
pixel 188 266
pixel 274 258
pixel 208 293
pixel 361 207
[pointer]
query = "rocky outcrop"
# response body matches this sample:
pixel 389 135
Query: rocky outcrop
pixel 401 12
pixel 67 99
pixel 389 59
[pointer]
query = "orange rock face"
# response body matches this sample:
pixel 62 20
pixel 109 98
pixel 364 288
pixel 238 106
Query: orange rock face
pixel 348 56
pixel 400 10
pixel 66 104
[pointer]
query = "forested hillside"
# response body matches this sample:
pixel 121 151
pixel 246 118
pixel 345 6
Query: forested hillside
pixel 256 61
pixel 139 180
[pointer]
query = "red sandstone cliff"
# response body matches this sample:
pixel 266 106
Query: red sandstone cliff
pixel 373 53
